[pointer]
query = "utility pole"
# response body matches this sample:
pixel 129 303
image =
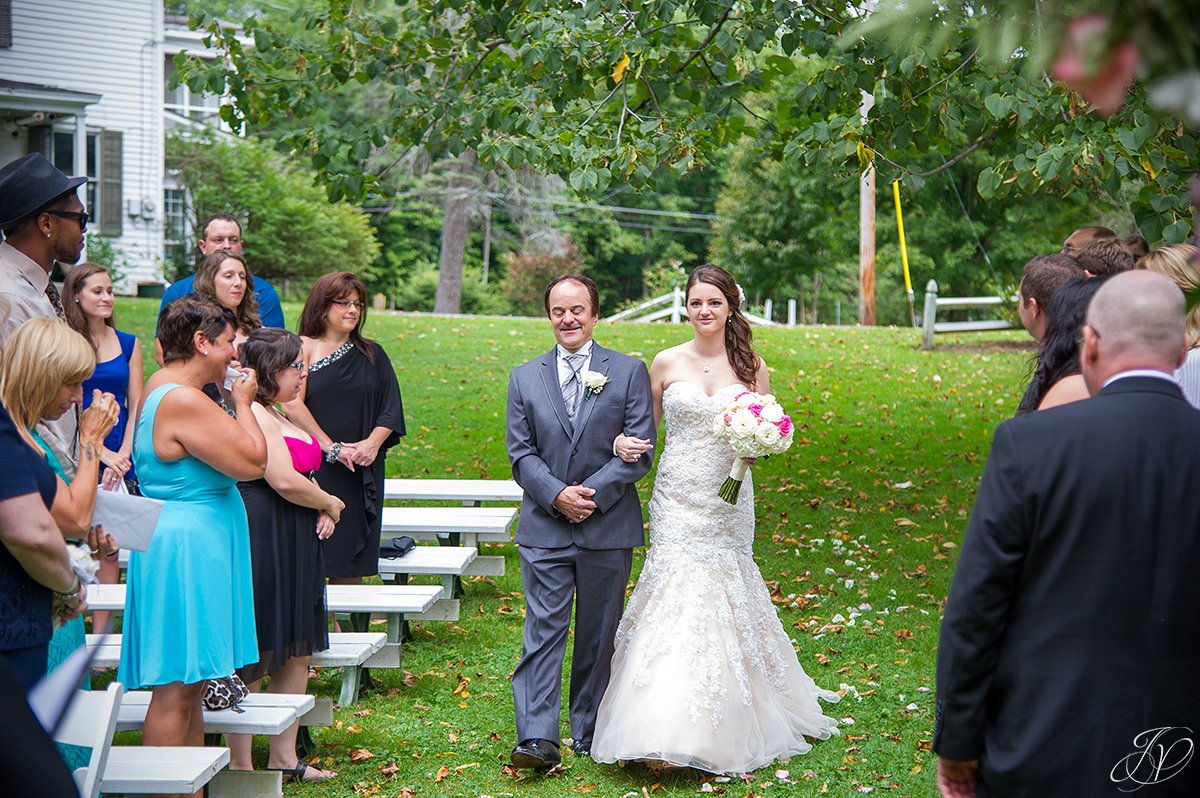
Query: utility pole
pixel 866 216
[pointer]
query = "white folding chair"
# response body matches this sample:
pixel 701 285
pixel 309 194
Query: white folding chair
pixel 90 722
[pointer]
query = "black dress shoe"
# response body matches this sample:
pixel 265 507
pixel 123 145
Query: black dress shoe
pixel 536 754
pixel 582 747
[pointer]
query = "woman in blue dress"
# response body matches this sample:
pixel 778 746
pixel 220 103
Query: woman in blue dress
pixel 189 611
pixel 88 304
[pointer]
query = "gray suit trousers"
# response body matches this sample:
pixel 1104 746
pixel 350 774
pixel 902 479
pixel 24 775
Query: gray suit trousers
pixel 594 580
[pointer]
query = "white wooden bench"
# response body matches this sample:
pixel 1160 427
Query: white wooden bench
pixel 349 650
pixel 136 770
pixel 468 491
pixel 264 713
pixel 445 562
pixel 475 524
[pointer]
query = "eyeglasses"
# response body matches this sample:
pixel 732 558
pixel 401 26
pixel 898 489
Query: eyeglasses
pixel 298 365
pixel 346 304
pixel 79 216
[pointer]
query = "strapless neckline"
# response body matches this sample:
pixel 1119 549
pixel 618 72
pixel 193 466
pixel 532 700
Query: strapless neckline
pixel 703 392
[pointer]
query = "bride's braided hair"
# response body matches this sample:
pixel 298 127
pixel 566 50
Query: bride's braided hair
pixel 741 355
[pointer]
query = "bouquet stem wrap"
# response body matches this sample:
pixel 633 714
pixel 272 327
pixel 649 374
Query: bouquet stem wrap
pixel 731 487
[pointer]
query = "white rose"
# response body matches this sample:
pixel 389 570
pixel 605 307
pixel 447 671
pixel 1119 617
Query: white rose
pixel 771 413
pixel 594 381
pixel 744 423
pixel 767 434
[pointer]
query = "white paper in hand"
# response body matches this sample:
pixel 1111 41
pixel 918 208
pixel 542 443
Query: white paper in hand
pixel 130 519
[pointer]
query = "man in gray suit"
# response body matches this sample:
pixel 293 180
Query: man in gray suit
pixel 580 517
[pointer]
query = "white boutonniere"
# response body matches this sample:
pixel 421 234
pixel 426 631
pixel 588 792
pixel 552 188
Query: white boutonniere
pixel 593 383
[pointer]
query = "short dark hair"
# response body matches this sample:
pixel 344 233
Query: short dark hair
pixel 1044 274
pixel 218 217
pixel 1109 255
pixel 269 350
pixel 582 279
pixel 183 318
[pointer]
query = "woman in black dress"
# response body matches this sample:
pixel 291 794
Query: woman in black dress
pixel 351 405
pixel 289 516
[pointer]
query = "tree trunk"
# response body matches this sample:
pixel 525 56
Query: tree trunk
pixel 456 227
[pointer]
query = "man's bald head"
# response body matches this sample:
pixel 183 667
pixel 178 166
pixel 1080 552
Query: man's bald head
pixel 1136 321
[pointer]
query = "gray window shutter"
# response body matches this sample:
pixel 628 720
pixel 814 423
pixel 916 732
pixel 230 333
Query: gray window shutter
pixel 109 188
pixel 41 139
pixel 6 23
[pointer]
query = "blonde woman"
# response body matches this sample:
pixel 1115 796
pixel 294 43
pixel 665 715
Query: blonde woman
pixel 42 370
pixel 1178 262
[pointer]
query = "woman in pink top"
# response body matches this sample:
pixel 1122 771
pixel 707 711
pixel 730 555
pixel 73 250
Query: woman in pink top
pixel 289 516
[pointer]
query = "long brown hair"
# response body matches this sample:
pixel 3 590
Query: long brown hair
pixel 205 284
pixel 741 355
pixel 321 298
pixel 72 286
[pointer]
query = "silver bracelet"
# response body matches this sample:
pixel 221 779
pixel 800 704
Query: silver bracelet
pixel 334 450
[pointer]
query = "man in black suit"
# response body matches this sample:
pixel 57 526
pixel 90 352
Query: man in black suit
pixel 1070 644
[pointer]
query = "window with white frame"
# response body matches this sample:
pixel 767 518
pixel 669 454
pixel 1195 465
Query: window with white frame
pixel 200 106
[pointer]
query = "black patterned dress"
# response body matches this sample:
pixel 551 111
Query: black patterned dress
pixel 350 395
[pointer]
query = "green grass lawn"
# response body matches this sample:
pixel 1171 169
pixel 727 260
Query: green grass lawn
pixel 858 532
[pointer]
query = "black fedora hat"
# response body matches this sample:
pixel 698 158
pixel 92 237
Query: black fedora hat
pixel 29 184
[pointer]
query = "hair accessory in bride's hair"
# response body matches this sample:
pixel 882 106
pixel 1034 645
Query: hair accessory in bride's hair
pixel 741 295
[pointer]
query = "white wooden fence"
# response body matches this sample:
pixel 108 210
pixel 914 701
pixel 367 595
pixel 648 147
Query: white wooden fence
pixel 933 303
pixel 669 306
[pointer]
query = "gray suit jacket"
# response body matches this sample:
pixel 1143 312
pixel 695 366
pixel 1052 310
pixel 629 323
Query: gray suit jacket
pixel 548 453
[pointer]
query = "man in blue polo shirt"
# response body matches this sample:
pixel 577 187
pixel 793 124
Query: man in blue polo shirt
pixel 222 231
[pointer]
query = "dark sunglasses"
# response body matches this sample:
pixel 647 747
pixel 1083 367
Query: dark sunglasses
pixel 79 216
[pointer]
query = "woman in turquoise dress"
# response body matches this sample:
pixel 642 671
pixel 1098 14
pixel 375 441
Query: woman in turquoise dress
pixel 41 377
pixel 189 611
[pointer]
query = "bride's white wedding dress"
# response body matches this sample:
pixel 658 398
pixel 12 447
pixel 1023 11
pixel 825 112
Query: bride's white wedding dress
pixel 704 674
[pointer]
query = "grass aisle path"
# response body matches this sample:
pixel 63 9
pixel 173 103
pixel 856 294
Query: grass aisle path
pixel 858 529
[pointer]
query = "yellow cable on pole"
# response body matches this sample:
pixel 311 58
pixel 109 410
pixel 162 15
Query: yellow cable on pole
pixel 912 312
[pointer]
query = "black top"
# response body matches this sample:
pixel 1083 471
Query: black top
pixel 24 604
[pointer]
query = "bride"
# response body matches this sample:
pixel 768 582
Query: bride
pixel 704 674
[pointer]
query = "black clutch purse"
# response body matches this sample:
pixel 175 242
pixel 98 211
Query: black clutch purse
pixel 396 547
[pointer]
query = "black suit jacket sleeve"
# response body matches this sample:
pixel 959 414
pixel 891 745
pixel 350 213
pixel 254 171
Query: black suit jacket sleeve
pixel 982 594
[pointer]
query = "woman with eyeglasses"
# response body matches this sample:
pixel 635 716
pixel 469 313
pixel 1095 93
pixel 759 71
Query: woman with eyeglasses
pixel 351 404
pixel 289 515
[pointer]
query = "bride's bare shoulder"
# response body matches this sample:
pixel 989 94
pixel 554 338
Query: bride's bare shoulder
pixel 671 355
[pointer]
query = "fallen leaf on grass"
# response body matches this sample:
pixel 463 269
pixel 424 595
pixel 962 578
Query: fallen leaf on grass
pixel 407 792
pixel 360 755
pixel 354 728
pixel 442 773
pixel 390 769
pixel 409 680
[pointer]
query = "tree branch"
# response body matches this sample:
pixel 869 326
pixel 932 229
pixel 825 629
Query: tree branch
pixel 712 34
pixel 946 165
pixel 957 69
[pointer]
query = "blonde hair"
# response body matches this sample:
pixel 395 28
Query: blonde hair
pixel 1178 262
pixel 41 357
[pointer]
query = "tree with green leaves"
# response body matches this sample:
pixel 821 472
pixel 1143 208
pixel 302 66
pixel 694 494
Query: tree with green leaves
pixel 604 93
pixel 294 233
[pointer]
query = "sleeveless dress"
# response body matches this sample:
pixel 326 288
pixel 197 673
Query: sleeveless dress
pixel 349 396
pixel 289 571
pixel 189 609
pixel 112 376
pixel 704 674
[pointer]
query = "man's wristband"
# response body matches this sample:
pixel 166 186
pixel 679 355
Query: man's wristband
pixel 335 449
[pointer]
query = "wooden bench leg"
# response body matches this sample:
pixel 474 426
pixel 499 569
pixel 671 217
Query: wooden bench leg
pixel 452 539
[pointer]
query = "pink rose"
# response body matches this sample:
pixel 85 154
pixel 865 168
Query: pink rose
pixel 755 409
pixel 785 425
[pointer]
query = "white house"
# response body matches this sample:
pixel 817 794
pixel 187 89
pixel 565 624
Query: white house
pixel 85 83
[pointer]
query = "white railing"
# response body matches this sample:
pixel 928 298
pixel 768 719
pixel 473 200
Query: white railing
pixel 670 306
pixel 933 303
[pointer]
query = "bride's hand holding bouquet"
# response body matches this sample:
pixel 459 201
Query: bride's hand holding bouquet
pixel 755 426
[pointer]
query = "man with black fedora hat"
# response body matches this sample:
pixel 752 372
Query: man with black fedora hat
pixel 43 221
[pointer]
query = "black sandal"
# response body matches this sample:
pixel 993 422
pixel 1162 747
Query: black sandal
pixel 297 773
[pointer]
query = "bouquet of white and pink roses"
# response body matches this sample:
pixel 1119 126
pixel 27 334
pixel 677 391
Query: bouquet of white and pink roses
pixel 755 426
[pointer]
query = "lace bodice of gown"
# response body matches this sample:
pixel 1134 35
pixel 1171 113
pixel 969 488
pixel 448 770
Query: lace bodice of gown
pixel 684 507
